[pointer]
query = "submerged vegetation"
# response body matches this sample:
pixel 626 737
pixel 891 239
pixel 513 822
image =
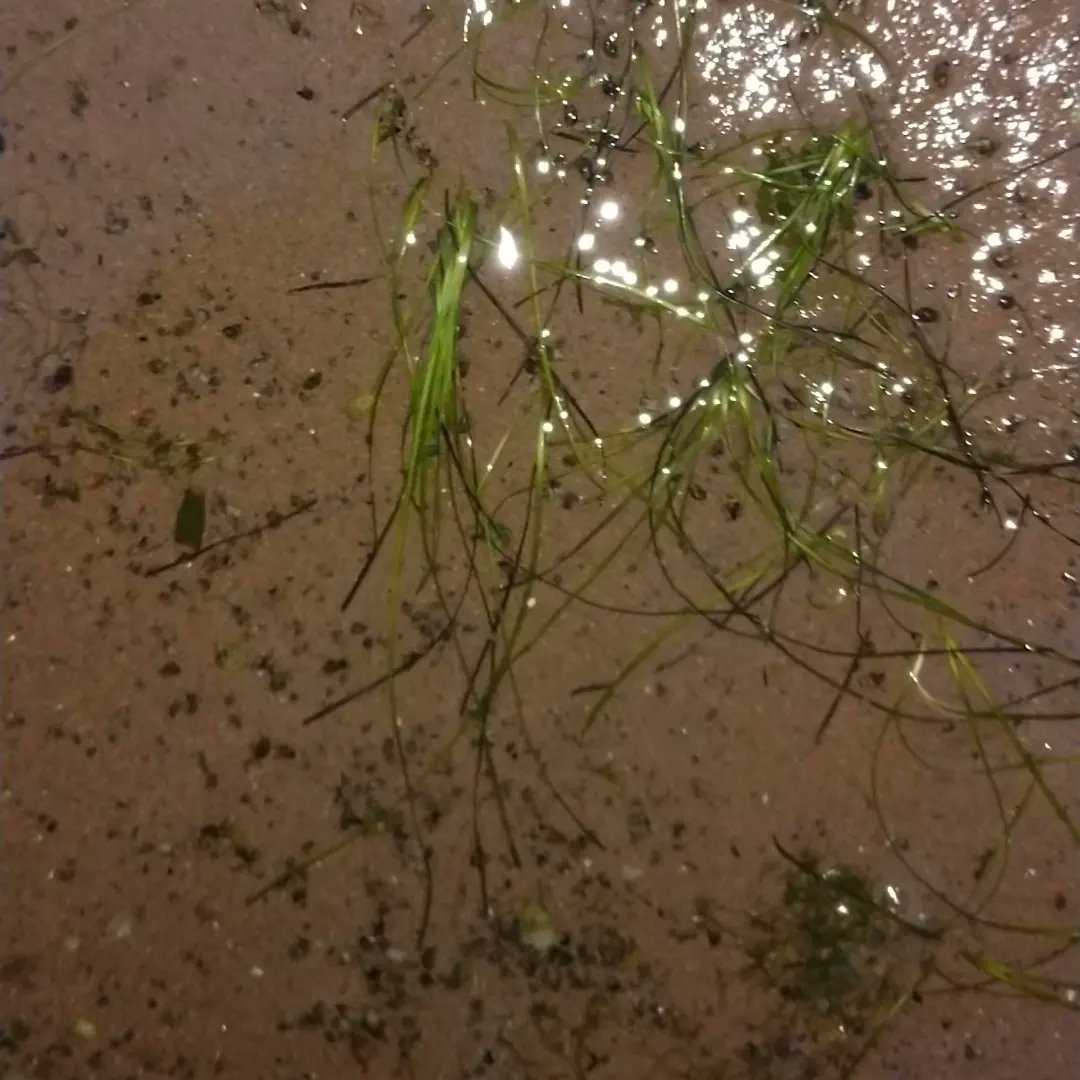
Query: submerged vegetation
pixel 790 401
pixel 841 962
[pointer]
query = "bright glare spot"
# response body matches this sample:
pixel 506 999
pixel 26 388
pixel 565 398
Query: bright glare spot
pixel 549 427
pixel 410 237
pixel 671 285
pixel 679 125
pixel 644 419
pixel 746 339
pixel 483 9
pixel 602 266
pixel 609 210
pixel 543 166
pixel 508 251
pixel 586 241
pixel 810 227
pixel 674 402
pixel 1010 524
pixel 740 217
pixel 760 266
pixel 827 388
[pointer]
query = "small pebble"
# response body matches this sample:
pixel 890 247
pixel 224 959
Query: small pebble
pixel 84 1029
pixel 120 926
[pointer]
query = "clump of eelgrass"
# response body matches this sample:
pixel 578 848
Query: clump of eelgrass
pixel 787 321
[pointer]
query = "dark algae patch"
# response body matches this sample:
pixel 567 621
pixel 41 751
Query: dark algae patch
pixel 840 965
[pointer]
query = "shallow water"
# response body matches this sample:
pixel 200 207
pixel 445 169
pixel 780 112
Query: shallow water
pixel 237 847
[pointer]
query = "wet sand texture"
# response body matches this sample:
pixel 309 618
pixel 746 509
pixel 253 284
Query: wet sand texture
pixel 539 540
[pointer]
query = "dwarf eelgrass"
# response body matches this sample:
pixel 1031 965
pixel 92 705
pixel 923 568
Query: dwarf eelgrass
pixel 815 481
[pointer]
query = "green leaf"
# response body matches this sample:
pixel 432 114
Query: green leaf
pixel 191 519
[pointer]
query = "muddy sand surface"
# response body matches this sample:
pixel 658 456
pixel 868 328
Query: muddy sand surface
pixel 706 705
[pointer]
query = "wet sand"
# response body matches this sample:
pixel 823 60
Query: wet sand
pixel 620 899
